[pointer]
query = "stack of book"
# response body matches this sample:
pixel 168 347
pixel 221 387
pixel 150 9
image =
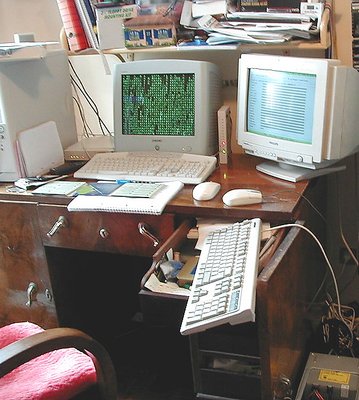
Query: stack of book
pixel 101 24
pixel 269 5
pixel 80 21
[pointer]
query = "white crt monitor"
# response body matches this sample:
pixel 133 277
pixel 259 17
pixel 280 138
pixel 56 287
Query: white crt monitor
pixel 167 105
pixel 301 113
pixel 33 90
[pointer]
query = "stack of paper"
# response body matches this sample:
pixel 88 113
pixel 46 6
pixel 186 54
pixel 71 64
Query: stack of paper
pixel 245 27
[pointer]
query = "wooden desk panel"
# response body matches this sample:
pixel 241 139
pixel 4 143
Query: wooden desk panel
pixel 285 288
pixel 102 231
pixel 25 287
pixel 281 199
pixel 280 348
pixel 289 277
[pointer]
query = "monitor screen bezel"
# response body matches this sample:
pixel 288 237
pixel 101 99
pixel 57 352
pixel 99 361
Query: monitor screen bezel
pixel 276 148
pixel 202 142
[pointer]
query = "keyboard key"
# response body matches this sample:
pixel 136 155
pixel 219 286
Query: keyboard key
pixel 148 167
pixel 224 285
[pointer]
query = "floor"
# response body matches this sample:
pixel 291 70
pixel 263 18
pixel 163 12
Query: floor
pixel 152 364
pixel 152 361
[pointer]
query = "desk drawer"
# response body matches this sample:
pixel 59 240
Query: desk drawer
pixel 168 308
pixel 164 309
pixel 102 231
pixel 217 384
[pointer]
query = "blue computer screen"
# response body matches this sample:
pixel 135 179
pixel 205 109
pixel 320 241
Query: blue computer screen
pixel 281 104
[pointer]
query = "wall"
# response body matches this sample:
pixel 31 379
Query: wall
pixel 343 188
pixel 42 18
pixel 343 30
pixel 38 16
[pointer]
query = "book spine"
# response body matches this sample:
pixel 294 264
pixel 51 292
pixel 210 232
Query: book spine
pixel 253 5
pixel 87 24
pixel 71 21
pixel 90 11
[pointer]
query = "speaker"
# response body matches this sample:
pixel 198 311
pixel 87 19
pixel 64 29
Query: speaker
pixel 224 134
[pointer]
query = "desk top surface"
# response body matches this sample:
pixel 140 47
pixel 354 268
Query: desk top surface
pixel 281 199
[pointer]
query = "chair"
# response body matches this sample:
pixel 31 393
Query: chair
pixel 56 364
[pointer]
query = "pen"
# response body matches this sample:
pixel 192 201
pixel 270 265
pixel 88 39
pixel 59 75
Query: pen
pixel 122 181
pixel 57 178
pixel 39 178
pixel 28 183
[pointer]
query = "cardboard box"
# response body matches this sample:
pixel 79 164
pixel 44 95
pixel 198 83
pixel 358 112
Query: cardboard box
pixel 150 30
pixel 110 25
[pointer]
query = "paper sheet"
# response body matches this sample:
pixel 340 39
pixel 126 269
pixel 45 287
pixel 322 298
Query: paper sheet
pixel 200 8
pixel 155 285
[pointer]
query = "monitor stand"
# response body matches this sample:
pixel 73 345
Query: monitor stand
pixel 292 173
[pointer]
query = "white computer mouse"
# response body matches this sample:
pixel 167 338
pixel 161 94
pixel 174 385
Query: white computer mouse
pixel 242 197
pixel 206 190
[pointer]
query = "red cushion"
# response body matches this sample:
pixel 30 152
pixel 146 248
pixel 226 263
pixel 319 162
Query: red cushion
pixel 58 375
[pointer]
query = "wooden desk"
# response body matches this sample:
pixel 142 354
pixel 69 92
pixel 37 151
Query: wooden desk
pixel 281 199
pixel 69 277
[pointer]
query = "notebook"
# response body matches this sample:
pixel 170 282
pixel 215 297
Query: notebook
pixel 152 205
pixel 66 188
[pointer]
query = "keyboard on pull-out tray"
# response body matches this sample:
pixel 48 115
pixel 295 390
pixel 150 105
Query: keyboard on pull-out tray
pixel 148 167
pixel 224 284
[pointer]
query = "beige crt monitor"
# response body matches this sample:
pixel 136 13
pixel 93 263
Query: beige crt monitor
pixel 34 88
pixel 302 114
pixel 167 105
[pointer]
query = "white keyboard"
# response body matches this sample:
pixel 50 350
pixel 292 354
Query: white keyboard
pixel 224 285
pixel 148 167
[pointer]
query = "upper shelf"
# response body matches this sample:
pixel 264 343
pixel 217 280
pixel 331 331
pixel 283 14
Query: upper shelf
pixel 323 42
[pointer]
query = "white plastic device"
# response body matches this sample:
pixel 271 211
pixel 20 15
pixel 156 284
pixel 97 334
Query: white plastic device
pixel 185 122
pixel 242 197
pixel 224 134
pixel 304 133
pixel 206 190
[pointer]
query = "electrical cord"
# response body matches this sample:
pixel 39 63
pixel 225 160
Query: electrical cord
pixel 341 317
pixel 93 106
pixel 80 86
pixel 331 325
pixel 350 280
pixel 86 129
pixel 342 236
pixel 340 218
pixel 301 195
pixel 315 394
pixel 324 220
pixel 332 33
pixel 352 255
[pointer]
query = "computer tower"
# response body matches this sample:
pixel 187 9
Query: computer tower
pixel 34 88
pixel 329 377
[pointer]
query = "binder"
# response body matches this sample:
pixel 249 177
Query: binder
pixel 71 21
pixel 88 21
pixel 153 205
